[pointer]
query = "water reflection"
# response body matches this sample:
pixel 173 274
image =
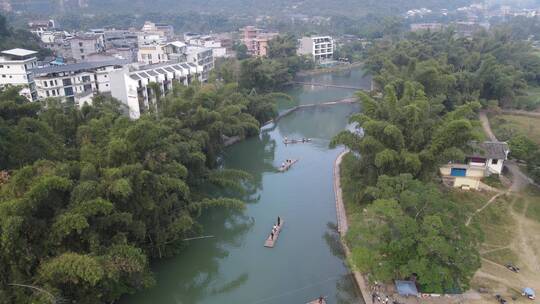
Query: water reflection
pixel 234 267
pixel 317 122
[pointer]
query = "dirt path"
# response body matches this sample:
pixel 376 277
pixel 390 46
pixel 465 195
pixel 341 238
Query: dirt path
pixel 491 200
pixel 519 180
pixel 486 126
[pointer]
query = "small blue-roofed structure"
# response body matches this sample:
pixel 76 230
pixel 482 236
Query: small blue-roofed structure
pixel 406 288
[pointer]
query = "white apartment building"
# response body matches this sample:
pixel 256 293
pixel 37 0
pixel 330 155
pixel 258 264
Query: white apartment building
pixel 16 69
pixel 218 50
pixel 320 48
pixel 202 57
pixel 152 33
pixel 131 86
pixel 76 82
pixel 162 52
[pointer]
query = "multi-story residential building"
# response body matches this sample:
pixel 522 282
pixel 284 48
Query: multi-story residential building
pixel 159 53
pixel 87 43
pixel 256 40
pixel 152 33
pixel 320 48
pixel 207 41
pixel 202 57
pixel 76 82
pixel 120 39
pixel 260 44
pixel 16 69
pixel 132 87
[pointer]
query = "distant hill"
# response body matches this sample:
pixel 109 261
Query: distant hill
pixel 237 7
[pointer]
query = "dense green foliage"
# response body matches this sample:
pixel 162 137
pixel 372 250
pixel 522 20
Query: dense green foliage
pixel 490 66
pixel 431 85
pixel 266 74
pixel 93 196
pixel 244 7
pixel 407 133
pixel 411 227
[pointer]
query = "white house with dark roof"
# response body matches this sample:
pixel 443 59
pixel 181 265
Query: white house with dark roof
pixel 132 88
pixel 484 159
pixel 489 155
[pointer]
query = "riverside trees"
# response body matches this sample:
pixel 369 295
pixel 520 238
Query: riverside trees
pixel 408 227
pixel 93 196
pixel 489 66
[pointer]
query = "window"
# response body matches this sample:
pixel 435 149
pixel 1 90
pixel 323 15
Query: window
pixel 82 57
pixel 47 92
pixel 66 82
pixel 45 83
pixel 1 66
pixel 51 83
pixel 494 161
pixel 3 76
pixel 80 44
pixel 81 50
pixel 53 93
pixel 68 91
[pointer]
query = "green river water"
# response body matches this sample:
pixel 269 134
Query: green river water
pixel 233 267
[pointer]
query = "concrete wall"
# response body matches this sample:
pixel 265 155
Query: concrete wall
pixel 472 183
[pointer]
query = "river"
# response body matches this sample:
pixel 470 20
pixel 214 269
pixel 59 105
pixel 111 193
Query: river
pixel 233 267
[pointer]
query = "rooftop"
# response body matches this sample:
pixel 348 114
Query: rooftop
pixel 19 52
pixel 78 66
pixel 489 149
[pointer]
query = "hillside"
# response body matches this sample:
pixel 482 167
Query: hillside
pixel 251 7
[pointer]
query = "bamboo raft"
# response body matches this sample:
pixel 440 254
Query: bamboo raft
pixel 316 301
pixel 296 141
pixel 269 243
pixel 287 165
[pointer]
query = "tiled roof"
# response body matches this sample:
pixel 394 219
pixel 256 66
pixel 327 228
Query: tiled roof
pixel 78 66
pixel 489 150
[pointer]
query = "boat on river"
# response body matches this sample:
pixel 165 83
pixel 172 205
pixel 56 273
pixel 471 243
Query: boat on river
pixel 287 165
pixel 270 241
pixel 296 141
pixel 318 301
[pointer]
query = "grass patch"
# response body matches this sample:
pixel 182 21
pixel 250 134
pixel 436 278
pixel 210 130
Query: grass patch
pixel 493 181
pixel 507 126
pixel 496 223
pixel 469 200
pixel 502 256
pixel 519 204
pixel 530 101
pixel 533 209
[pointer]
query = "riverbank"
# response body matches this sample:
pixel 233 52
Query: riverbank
pixel 343 227
pixel 330 69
